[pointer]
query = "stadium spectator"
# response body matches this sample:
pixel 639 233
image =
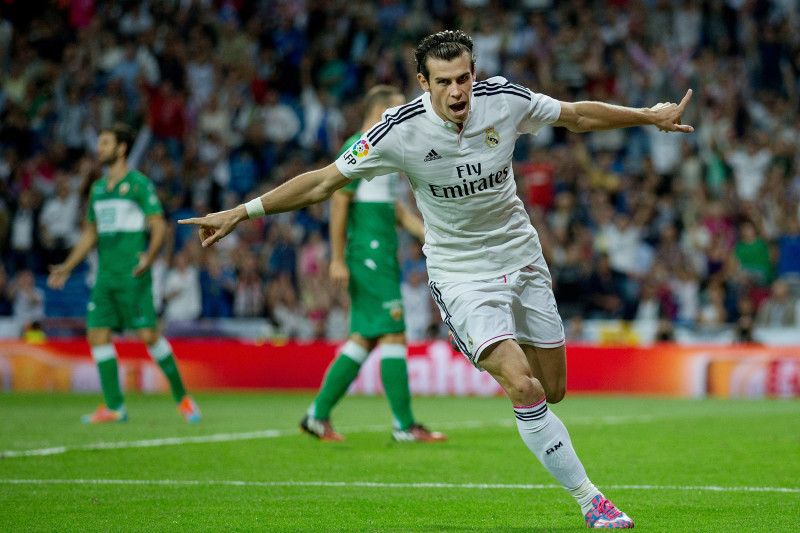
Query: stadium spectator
pixel 713 312
pixel 751 255
pixel 24 241
pixel 28 300
pixel 604 291
pixel 59 221
pixel 789 249
pixel 218 284
pixel 182 290
pixel 780 309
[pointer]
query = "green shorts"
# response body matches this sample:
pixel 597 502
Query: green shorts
pixel 122 303
pixel 376 305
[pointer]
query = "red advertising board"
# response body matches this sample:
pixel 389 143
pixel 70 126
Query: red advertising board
pixel 434 369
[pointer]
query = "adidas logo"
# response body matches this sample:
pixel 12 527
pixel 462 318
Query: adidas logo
pixel 432 156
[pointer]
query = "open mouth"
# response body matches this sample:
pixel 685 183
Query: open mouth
pixel 459 107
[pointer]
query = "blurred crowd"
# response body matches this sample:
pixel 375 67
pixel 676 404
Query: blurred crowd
pixel 232 98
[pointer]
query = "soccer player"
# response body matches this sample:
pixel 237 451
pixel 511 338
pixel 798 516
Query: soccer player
pixel 485 263
pixel 363 215
pixel 122 206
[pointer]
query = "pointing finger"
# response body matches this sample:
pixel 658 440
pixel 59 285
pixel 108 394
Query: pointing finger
pixel 686 99
pixel 195 221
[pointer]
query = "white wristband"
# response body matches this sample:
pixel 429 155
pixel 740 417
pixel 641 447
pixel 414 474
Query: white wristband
pixel 255 208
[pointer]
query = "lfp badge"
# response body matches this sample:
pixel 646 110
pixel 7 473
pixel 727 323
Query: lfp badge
pixel 361 148
pixel 492 138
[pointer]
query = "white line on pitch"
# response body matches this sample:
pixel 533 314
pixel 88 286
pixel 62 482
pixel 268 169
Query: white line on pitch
pixel 273 433
pixel 371 484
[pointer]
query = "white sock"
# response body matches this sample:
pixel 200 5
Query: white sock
pixel 584 494
pixel 545 435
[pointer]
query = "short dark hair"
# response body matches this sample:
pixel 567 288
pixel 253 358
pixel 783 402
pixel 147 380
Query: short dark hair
pixel 379 95
pixel 446 45
pixel 123 134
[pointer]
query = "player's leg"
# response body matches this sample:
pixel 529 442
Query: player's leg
pixel 105 357
pixel 545 435
pixel 101 319
pixel 540 330
pixel 485 318
pixel 340 374
pixel 549 366
pixel 160 351
pixel 394 375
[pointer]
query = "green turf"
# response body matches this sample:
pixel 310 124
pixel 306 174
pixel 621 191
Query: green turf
pixel 655 458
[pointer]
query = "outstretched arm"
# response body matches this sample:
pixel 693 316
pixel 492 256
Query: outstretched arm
pixel 340 207
pixel 593 116
pixel 303 190
pixel 60 273
pixel 411 222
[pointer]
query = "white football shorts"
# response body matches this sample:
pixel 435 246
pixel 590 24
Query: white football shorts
pixel 520 306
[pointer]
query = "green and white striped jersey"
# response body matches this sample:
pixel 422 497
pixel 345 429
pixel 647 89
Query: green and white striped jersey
pixel 371 225
pixel 121 218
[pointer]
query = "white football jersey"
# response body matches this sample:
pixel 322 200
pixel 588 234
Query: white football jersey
pixel 476 226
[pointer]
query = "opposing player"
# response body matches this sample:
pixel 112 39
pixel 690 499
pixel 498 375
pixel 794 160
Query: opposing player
pixel 122 206
pixel 363 216
pixel 485 263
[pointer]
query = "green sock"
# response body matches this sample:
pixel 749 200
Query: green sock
pixel 106 358
pixel 339 377
pixel 394 374
pixel 161 351
pixel 170 368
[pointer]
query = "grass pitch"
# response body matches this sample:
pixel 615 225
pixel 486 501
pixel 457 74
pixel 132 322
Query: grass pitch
pixel 672 465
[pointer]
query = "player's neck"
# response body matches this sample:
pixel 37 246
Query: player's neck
pixel 117 171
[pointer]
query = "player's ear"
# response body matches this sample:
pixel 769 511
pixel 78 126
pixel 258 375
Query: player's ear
pixel 423 83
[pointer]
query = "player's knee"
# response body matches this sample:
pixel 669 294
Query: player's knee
pixel 148 336
pixel 525 390
pixel 98 336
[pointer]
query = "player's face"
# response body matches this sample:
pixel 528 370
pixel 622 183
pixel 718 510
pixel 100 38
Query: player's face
pixel 107 148
pixel 450 85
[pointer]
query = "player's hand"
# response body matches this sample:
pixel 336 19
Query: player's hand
pixel 59 274
pixel 667 116
pixel 215 226
pixel 339 274
pixel 142 266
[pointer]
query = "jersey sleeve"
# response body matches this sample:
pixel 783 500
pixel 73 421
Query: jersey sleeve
pixel 148 199
pixel 90 207
pixel 364 159
pixel 532 110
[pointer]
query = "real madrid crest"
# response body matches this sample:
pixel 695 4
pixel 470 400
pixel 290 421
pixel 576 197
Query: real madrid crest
pixel 492 138
pixel 124 188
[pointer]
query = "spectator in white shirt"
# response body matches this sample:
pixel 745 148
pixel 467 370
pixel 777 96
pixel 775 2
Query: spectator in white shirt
pixel 182 292
pixel 749 163
pixel 28 300
pixel 58 222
